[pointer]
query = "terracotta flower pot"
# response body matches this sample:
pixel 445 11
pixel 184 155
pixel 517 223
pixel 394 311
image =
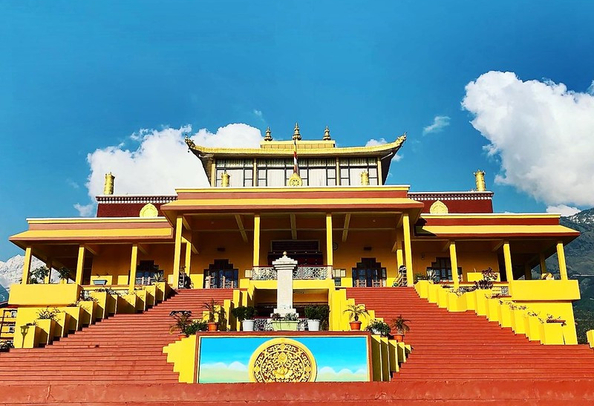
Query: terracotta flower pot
pixel 212 326
pixel 399 337
pixel 355 325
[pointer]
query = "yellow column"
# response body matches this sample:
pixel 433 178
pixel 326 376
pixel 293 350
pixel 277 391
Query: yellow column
pixel 26 266
pixel 256 254
pixel 399 251
pixel 329 244
pixel 508 262
pixel 188 259
pixel 543 264
pixel 133 265
pixel 454 262
pixel 79 265
pixel 407 249
pixel 561 258
pixel 48 278
pixel 177 251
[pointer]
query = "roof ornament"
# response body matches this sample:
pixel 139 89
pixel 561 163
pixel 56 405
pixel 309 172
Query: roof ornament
pixel 327 134
pixel 296 134
pixel 108 185
pixel 479 178
pixel 268 136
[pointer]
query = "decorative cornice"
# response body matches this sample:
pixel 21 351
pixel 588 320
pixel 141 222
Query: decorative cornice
pixel 450 195
pixel 132 199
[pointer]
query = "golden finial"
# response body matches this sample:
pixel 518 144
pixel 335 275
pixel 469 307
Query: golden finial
pixel 225 179
pixel 364 178
pixel 327 134
pixel 108 186
pixel 268 136
pixel 479 178
pixel 296 135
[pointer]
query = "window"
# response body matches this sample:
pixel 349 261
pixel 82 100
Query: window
pixel 369 274
pixel 240 171
pixel 220 275
pixel 147 273
pixel 352 168
pixel 441 270
pixel 274 172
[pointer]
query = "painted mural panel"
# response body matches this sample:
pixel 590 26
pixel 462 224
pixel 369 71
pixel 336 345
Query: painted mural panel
pixel 283 359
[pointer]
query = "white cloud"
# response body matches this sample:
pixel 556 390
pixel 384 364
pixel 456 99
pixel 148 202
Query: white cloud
pixel 590 89
pixel 373 142
pixel 161 162
pixel 328 374
pixel 542 133
pixel 439 123
pixel 258 113
pixel 72 184
pixel 85 210
pixel 564 210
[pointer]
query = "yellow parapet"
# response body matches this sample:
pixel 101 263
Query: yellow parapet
pixel 590 337
pixel 182 354
pixel 44 294
pixel 545 290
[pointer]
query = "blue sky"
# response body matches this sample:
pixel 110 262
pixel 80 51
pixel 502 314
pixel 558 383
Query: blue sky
pixel 76 77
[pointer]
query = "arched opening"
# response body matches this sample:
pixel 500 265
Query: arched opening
pixel 369 273
pixel 220 275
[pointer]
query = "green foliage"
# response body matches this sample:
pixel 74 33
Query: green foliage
pixel 355 311
pixel 195 326
pixel 47 314
pixel 400 325
pixel 381 327
pixel 63 273
pixel 242 313
pixel 317 312
pixel 38 275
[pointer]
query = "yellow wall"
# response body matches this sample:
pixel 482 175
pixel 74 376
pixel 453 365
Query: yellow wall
pixel 352 251
pixel 238 252
pixel 113 260
pixel 469 261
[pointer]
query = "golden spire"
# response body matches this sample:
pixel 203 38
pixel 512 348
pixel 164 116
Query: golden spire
pixel 268 136
pixel 327 134
pixel 108 186
pixel 296 135
pixel 479 178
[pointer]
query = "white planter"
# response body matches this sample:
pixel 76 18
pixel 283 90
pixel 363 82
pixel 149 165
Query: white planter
pixel 247 325
pixel 313 325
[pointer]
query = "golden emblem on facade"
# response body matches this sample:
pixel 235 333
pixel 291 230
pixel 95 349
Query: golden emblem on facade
pixel 438 207
pixel 282 360
pixel 295 180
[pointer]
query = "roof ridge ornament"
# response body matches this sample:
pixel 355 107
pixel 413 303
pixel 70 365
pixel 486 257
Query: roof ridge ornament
pixel 327 134
pixel 296 134
pixel 268 135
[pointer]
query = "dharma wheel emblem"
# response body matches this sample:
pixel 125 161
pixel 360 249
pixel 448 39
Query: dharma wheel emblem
pixel 282 360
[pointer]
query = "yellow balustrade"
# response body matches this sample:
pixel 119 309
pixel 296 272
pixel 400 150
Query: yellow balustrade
pixel 590 337
pixel 182 354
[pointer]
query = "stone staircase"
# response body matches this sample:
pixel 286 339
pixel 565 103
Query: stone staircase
pixel 126 348
pixel 450 345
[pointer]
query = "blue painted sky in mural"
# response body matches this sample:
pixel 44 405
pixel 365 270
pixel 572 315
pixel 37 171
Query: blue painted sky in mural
pixel 332 355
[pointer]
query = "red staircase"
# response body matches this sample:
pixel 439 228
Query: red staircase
pixel 450 345
pixel 126 348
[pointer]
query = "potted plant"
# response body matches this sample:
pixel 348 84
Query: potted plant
pixel 379 327
pixel 289 322
pixel 63 274
pixel 312 313
pixel 182 321
pixel 355 311
pixel 214 310
pixel 38 275
pixel 195 326
pixel 399 324
pixel 245 314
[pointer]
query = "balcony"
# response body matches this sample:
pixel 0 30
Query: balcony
pixel 305 273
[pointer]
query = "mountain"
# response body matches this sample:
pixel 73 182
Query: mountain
pixel 11 272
